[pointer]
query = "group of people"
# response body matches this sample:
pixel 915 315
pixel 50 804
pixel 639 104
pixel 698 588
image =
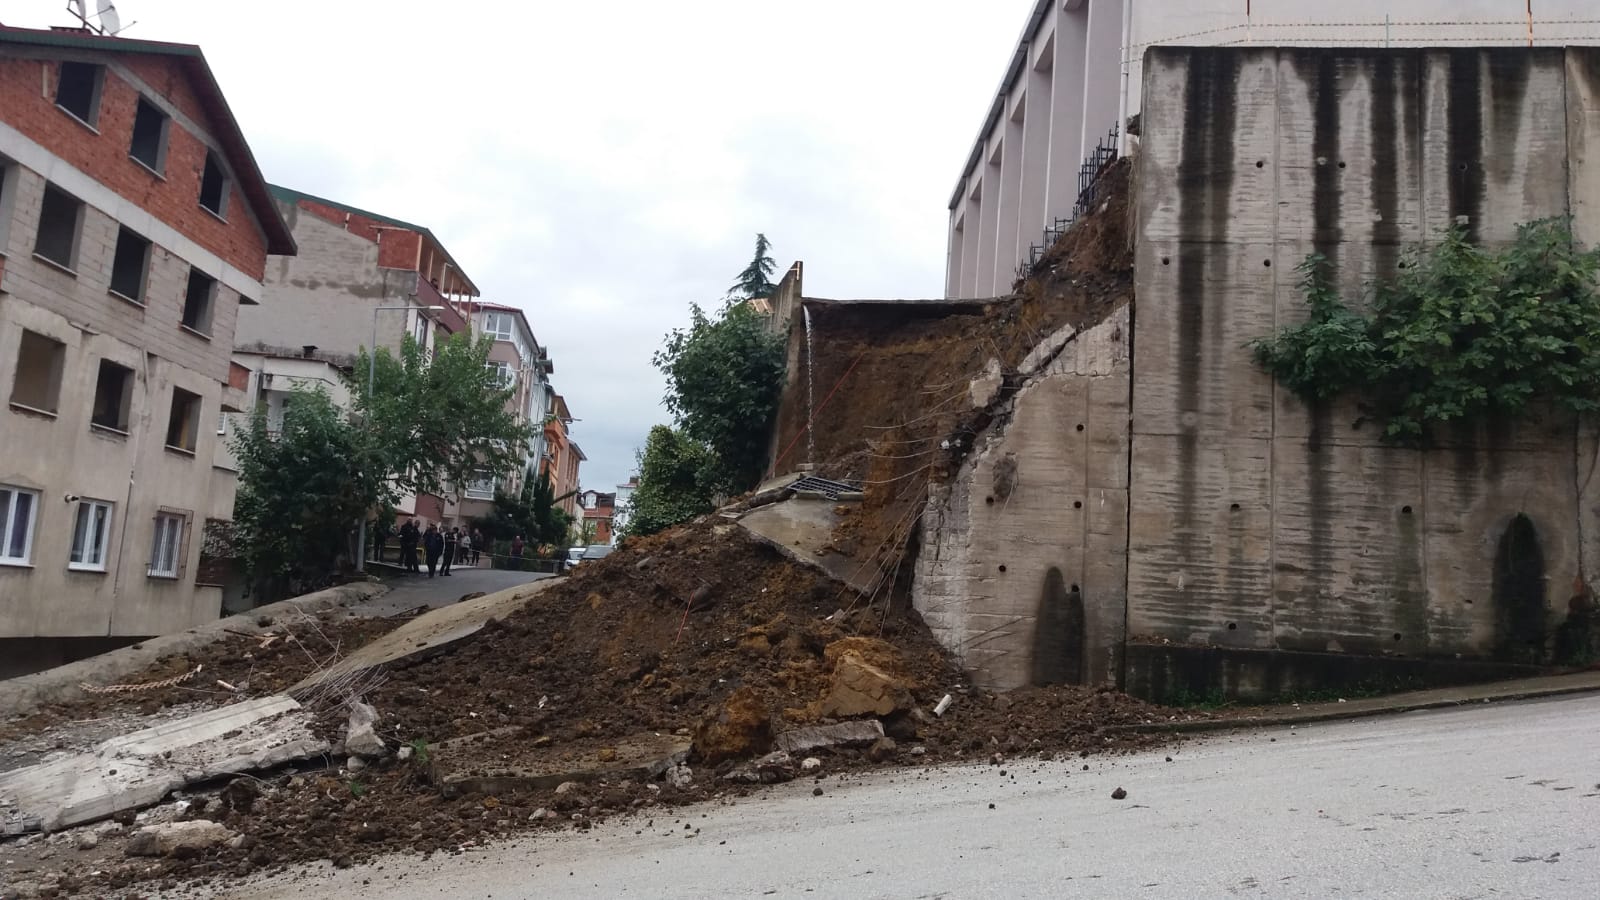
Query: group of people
pixel 442 547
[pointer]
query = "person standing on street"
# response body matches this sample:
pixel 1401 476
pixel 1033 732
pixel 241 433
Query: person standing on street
pixel 478 544
pixel 516 552
pixel 433 545
pixel 451 539
pixel 466 548
pixel 408 545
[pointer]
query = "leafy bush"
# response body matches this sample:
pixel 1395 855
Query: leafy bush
pixel 1460 333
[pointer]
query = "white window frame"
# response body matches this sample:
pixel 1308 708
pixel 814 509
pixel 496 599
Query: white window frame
pixel 505 375
pixel 8 525
pixel 85 528
pixel 166 545
pixel 492 322
pixel 480 478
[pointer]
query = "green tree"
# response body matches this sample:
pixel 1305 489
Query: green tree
pixel 673 482
pixel 435 421
pixel 756 279
pixel 724 380
pixel 301 492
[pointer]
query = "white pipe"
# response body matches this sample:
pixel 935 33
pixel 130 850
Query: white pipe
pixel 1122 102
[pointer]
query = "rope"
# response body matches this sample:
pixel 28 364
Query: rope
pixel 144 686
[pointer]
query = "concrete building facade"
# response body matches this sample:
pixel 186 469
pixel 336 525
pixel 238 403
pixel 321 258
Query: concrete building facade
pixel 134 224
pixel 1182 524
pixel 525 367
pixel 324 303
pixel 1074 76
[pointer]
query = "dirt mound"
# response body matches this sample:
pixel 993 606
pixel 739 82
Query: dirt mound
pixel 896 378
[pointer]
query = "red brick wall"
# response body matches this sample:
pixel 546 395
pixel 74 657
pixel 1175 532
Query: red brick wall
pixel 104 156
pixel 398 249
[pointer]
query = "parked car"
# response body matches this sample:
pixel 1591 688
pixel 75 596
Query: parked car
pixel 574 554
pixel 596 551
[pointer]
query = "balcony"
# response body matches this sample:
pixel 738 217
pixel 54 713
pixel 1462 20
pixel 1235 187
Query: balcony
pixel 449 318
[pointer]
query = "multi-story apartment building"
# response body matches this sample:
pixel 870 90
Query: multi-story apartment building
pixel 1075 77
pixel 525 367
pixel 359 279
pixel 561 457
pixel 598 512
pixel 134 224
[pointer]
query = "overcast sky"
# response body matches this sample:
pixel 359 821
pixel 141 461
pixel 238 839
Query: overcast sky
pixel 604 164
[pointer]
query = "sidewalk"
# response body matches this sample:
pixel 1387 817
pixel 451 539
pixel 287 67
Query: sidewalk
pixel 1435 698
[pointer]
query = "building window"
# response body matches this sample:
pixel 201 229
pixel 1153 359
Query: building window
pixel 149 144
pixel 17 508
pixel 214 186
pixel 183 425
pixel 90 535
pixel 198 299
pixel 482 485
pixel 113 395
pixel 40 361
pixel 166 548
pixel 78 91
pixel 129 266
pixel 222 423
pixel 499 326
pixel 8 193
pixel 503 376
pixel 60 214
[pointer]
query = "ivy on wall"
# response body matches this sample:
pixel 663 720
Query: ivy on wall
pixel 1460 333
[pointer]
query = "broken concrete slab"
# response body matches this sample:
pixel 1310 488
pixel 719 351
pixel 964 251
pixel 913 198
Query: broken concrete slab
pixel 802 528
pixel 426 635
pixel 506 764
pixel 1046 350
pixel 774 768
pixel 845 734
pixel 139 769
pixel 26 693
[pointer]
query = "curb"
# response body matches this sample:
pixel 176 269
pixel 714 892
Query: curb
pixel 1332 715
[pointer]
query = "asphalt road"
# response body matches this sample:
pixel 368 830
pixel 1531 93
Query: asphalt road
pixel 408 592
pixel 1490 801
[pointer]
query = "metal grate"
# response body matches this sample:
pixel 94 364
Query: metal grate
pixel 830 489
pixel 1089 193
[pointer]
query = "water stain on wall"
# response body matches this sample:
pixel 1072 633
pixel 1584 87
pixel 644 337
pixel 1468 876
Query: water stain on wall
pixel 1060 634
pixel 1518 592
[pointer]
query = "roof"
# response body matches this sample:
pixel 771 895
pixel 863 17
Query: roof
pixel 541 351
pixel 292 196
pixel 577 451
pixel 1019 61
pixel 251 182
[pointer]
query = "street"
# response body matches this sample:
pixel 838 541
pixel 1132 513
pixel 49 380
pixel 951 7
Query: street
pixel 408 592
pixel 1499 800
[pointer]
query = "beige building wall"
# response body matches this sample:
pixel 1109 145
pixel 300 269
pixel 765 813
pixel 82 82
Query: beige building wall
pixel 62 457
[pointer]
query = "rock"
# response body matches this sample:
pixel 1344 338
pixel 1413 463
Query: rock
pixel 361 732
pixel 566 787
pixel 986 387
pixel 404 753
pixel 844 734
pixel 859 688
pixel 816 792
pixel 88 840
pixel 918 751
pixel 1119 794
pixel 882 749
pixel 774 768
pixel 538 814
pixel 810 764
pixel 680 777
pixel 355 764
pixel 740 728
pixel 178 838
pixel 240 794
pixel 606 755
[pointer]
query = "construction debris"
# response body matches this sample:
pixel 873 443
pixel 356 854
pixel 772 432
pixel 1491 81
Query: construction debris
pixel 180 839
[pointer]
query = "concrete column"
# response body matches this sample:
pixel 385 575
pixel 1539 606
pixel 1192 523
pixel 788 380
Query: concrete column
pixel 1102 72
pixel 1006 255
pixel 1066 111
pixel 970 232
pixel 952 266
pixel 989 213
pixel 1035 153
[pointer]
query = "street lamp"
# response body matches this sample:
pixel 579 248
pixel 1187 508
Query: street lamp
pixel 372 375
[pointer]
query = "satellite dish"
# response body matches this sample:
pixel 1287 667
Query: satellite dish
pixel 110 22
pixel 76 8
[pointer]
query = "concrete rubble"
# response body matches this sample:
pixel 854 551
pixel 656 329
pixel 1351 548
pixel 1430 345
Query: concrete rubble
pixel 178 838
pixel 137 770
pixel 858 733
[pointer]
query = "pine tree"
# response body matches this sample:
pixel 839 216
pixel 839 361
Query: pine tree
pixel 756 279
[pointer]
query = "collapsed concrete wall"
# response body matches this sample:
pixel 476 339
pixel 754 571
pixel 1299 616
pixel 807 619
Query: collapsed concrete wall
pixel 1022 570
pixel 1258 522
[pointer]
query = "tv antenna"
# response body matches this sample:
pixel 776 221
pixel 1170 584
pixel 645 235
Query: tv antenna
pixel 108 23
